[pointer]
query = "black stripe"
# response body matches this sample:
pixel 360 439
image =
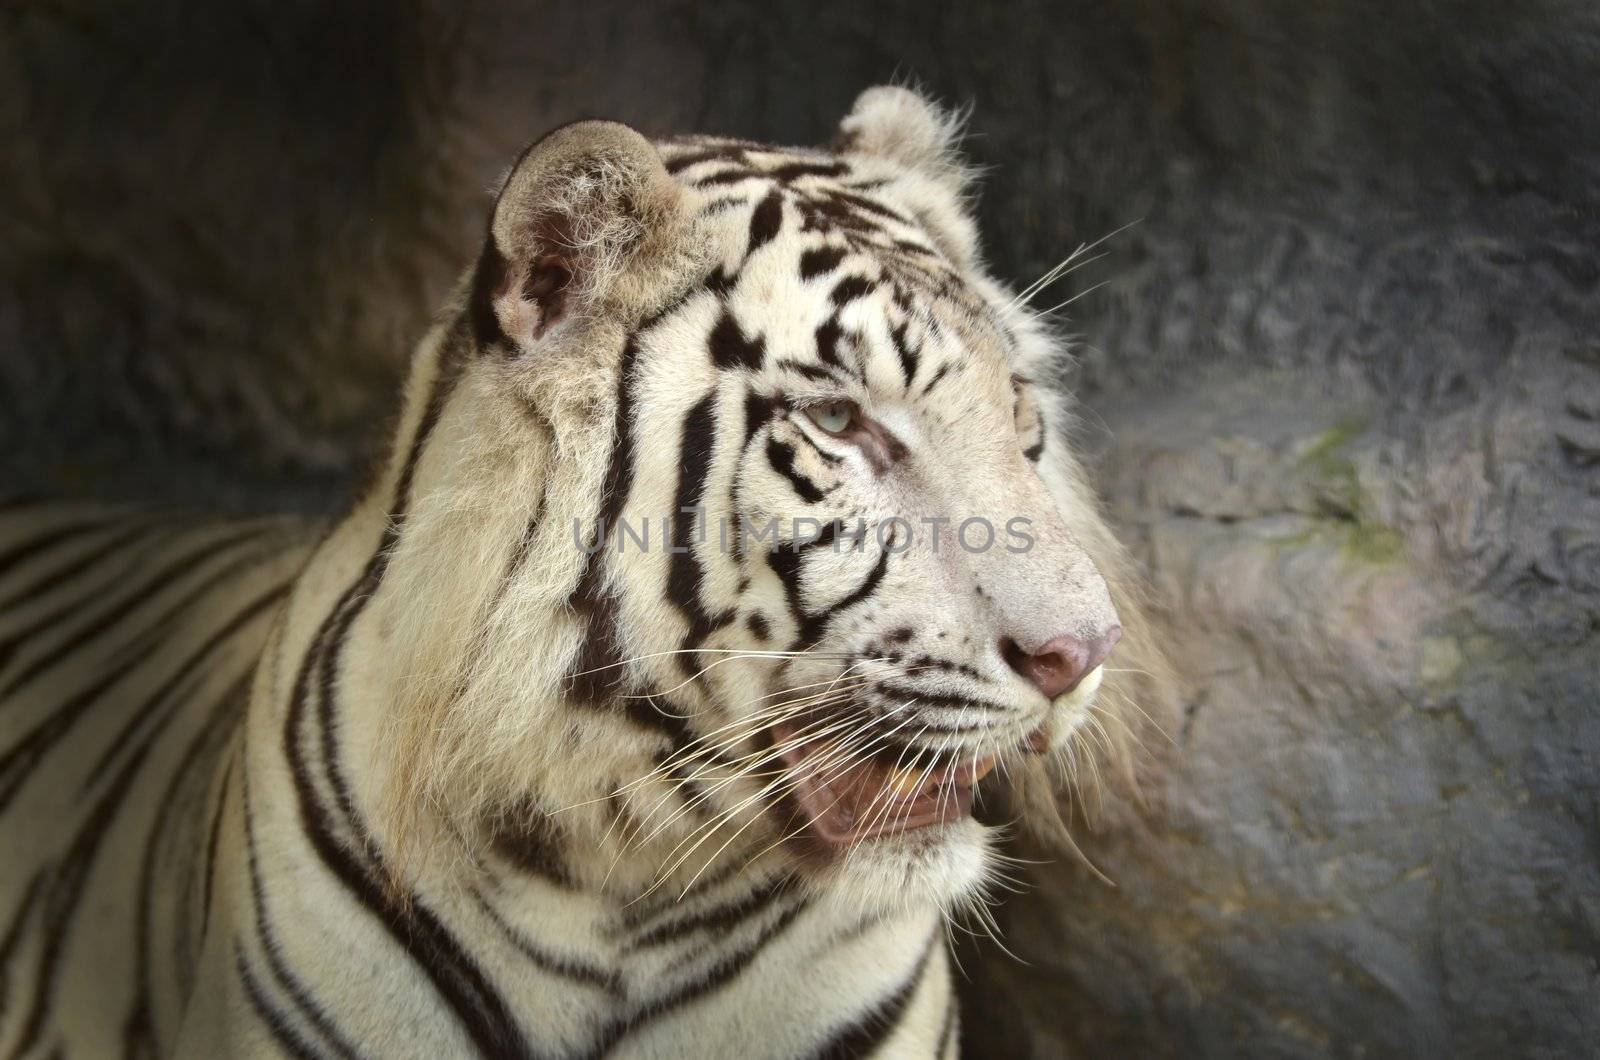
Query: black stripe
pixel 869 1031
pixel 685 573
pixel 718 976
pixel 213 834
pixel 488 278
pixel 45 731
pixel 726 176
pixel 598 666
pixel 947 1032
pixel 71 873
pixel 24 756
pixel 765 221
pixel 828 335
pixel 758 412
pixel 721 204
pixel 720 281
pixel 13 935
pixel 790 171
pixel 299 996
pixel 828 212
pixel 642 912
pixel 99 624
pixel 721 152
pixel 528 839
pixel 908 246
pixel 554 964
pixel 866 589
pixel 781 456
pixel 415 929
pixel 730 348
pixel 47 540
pixel 786 563
pixel 719 919
pixel 283 1032
pixel 812 371
pixel 937 376
pixel 327 672
pixel 820 260
pixel 73 567
pixel 138 1032
pixel 866 205
pixel 918 663
pixel 894 690
pixel 851 288
pixel 908 357
pixel 657 713
pixel 136 719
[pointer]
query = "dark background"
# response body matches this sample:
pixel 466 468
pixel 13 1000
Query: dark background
pixel 1341 389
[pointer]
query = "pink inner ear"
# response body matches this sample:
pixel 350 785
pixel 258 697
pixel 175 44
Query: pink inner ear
pixel 540 303
pixel 546 287
pixel 547 279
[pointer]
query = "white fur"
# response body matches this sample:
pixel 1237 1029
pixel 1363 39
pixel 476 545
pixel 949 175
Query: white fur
pixel 443 619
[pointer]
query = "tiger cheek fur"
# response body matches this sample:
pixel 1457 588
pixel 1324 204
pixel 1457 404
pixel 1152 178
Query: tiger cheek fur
pixel 726 543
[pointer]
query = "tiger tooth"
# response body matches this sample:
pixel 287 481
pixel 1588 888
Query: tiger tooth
pixel 906 781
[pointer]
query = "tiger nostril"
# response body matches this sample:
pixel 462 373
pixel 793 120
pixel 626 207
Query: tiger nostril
pixel 1014 655
pixel 1061 662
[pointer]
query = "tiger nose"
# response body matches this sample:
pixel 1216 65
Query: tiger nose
pixel 1057 666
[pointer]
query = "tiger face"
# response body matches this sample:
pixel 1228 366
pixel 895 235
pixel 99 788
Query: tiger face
pixel 834 563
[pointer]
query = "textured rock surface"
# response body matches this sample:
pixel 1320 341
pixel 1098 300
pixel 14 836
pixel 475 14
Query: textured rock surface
pixel 1342 384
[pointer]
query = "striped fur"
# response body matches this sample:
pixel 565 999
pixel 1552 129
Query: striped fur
pixel 472 773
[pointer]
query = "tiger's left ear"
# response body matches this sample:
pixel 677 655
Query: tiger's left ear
pixel 587 217
pixel 906 128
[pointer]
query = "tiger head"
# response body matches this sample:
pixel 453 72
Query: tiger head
pixel 745 527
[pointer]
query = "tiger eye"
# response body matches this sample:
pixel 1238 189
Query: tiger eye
pixel 835 417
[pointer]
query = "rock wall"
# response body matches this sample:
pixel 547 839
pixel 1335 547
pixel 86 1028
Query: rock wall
pixel 1341 387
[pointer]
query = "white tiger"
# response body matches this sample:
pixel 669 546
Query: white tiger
pixel 637 707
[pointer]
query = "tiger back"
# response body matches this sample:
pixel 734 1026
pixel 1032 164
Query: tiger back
pixel 128 641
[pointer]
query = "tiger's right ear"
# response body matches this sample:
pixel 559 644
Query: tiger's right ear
pixel 585 217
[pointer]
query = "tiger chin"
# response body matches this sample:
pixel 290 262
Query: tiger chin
pixel 728 554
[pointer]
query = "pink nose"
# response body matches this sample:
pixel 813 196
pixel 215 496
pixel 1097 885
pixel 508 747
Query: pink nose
pixel 1057 667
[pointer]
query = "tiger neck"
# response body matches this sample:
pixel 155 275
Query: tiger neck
pixel 357 608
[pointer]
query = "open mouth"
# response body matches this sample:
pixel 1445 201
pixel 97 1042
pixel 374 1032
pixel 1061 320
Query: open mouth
pixel 845 800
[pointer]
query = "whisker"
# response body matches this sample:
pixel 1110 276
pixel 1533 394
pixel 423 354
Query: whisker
pixel 745 727
pixel 753 654
pixel 1062 305
pixel 1064 267
pixel 775 752
pixel 788 782
pixel 735 657
pixel 1126 700
pixel 1061 268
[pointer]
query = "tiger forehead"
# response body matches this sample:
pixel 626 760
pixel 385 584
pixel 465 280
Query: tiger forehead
pixel 849 204
pixel 838 217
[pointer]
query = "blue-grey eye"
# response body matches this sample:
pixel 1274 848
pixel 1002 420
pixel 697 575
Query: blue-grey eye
pixel 835 417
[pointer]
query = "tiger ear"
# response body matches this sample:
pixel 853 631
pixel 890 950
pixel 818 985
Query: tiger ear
pixel 583 218
pixel 904 126
pixel 910 130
